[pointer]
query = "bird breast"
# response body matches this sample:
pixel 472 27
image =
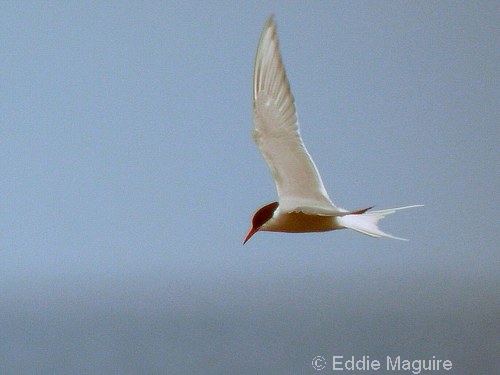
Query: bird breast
pixel 299 222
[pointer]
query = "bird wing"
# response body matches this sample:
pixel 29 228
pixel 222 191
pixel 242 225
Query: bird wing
pixel 276 132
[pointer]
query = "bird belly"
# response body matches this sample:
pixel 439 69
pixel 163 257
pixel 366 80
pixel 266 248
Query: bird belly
pixel 299 222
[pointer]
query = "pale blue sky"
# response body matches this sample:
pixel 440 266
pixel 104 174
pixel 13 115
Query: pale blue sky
pixel 129 179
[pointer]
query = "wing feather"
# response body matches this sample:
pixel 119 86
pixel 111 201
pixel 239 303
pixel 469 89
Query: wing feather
pixel 276 132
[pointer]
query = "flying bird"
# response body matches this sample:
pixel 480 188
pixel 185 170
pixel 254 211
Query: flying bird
pixel 304 204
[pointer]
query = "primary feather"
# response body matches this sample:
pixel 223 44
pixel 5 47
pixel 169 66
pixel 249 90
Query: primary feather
pixel 276 132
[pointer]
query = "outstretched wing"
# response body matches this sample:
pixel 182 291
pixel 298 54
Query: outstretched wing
pixel 276 132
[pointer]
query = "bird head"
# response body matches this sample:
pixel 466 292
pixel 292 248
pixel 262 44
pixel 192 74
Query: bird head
pixel 261 216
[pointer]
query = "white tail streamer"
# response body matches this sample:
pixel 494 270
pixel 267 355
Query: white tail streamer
pixel 366 223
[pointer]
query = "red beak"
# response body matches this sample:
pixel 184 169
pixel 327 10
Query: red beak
pixel 250 233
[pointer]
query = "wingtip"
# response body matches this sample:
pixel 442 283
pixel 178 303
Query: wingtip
pixel 270 22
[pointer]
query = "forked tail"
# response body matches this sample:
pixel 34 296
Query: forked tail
pixel 366 222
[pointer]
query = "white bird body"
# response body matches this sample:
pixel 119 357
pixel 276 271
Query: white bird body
pixel 304 204
pixel 299 222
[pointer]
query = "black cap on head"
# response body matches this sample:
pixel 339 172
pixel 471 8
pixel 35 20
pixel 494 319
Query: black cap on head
pixel 262 216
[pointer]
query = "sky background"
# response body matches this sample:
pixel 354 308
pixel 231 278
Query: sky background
pixel 129 179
